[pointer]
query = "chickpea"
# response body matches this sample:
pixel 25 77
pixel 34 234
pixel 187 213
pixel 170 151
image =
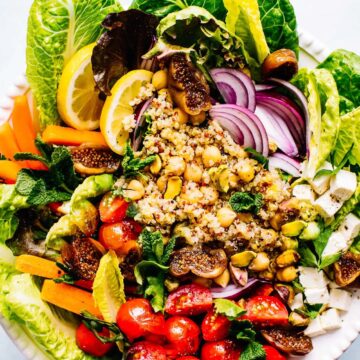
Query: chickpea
pixel 211 156
pixel 192 196
pixel 166 94
pixel 211 195
pixel 260 263
pixel 135 190
pixel 160 79
pixel 267 275
pixel 287 274
pixel 233 181
pixel 193 173
pixel 182 116
pixel 198 119
pixel 226 216
pixel 175 166
pixel 155 167
pixel 246 172
pixel 161 183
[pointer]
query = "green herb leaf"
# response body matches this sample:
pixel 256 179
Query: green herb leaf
pixel 132 210
pixel 297 286
pixel 30 156
pixel 328 260
pixel 260 158
pixel 311 311
pixel 308 258
pixel 246 202
pixel 66 279
pixel 253 351
pixel 228 308
pixel 155 291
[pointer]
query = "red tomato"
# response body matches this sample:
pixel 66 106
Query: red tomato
pixel 155 339
pixel 215 327
pixel 115 236
pixel 190 299
pixel 183 334
pixel 136 318
pixel 266 311
pixel 54 206
pixel 187 358
pixel 145 350
pixel 220 350
pixel 272 353
pixel 263 290
pixel 112 209
pixel 88 342
pixel 85 284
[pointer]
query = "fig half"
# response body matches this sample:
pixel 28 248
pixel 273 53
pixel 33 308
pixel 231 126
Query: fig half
pixel 347 269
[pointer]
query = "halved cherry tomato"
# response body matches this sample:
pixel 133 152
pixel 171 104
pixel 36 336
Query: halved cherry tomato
pixel 215 327
pixel 84 284
pixel 145 350
pixel 263 290
pixel 88 342
pixel 54 206
pixel 112 209
pixel 190 299
pixel 183 334
pixel 115 236
pixel 136 318
pixel 155 339
pixel 272 353
pixel 220 350
pixel 187 358
pixel 266 311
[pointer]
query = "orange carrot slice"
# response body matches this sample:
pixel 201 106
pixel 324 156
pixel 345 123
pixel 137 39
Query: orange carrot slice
pixel 38 266
pixel 8 145
pixel 9 170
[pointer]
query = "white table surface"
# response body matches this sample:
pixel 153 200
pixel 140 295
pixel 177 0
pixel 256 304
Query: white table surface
pixel 334 22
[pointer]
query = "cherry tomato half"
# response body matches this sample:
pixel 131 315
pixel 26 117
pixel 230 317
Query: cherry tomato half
pixel 190 299
pixel 187 358
pixel 115 236
pixel 263 290
pixel 112 209
pixel 272 353
pixel 183 334
pixel 220 350
pixel 88 342
pixel 136 318
pixel 266 311
pixel 215 327
pixel 145 350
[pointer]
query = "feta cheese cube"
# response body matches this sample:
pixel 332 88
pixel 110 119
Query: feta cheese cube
pixel 304 192
pixel 298 302
pixel 321 183
pixel 340 299
pixel 330 320
pixel 311 278
pixel 350 227
pixel 328 205
pixel 336 243
pixel 315 328
pixel 317 296
pixel 343 185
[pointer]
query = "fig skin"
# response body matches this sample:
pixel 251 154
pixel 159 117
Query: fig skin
pixel 280 64
pixel 347 269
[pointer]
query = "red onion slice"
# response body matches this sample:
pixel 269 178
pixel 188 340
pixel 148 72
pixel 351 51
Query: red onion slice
pixel 285 163
pixel 264 87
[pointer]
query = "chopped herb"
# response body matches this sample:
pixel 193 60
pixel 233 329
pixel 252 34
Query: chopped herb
pixel 308 258
pixel 228 308
pixel 246 202
pixel 311 311
pixel 253 351
pixel 66 279
pixel 132 210
pixel 297 286
pixel 258 157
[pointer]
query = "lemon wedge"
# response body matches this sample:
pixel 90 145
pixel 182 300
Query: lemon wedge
pixel 117 108
pixel 78 103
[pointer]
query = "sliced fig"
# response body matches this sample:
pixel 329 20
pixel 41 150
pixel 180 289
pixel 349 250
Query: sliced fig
pixel 82 257
pixel 94 160
pixel 188 86
pixel 128 263
pixel 288 341
pixel 201 262
pixel 281 64
pixel 347 269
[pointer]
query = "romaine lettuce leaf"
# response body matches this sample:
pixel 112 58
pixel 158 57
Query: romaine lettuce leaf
pixel 243 19
pixel 279 24
pixel 56 30
pixel 345 67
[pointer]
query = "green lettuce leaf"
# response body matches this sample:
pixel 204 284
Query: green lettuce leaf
pixel 279 23
pixel 165 7
pixel 345 67
pixel 243 19
pixel 56 30
pixel 320 90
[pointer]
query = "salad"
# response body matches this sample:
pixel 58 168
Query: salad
pixel 174 186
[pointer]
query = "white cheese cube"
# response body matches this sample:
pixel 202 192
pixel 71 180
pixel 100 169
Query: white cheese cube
pixel 298 302
pixel 315 328
pixel 336 243
pixel 321 183
pixel 333 285
pixel 350 227
pixel 327 205
pixel 311 278
pixel 340 299
pixel 317 296
pixel 330 320
pixel 343 185
pixel 304 192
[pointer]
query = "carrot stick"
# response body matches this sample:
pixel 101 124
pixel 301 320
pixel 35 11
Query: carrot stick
pixel 69 298
pixel 38 266
pixel 60 135
pixel 9 170
pixel 8 145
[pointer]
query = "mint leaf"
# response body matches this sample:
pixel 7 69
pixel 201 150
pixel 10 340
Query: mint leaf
pixel 168 250
pixel 30 156
pixel 253 351
pixel 246 202
pixel 260 158
pixel 308 258
pixel 228 308
pixel 132 210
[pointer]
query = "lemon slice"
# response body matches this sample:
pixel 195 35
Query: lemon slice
pixel 117 108
pixel 78 103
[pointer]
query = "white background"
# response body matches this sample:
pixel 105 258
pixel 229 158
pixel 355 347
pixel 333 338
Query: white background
pixel 334 22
